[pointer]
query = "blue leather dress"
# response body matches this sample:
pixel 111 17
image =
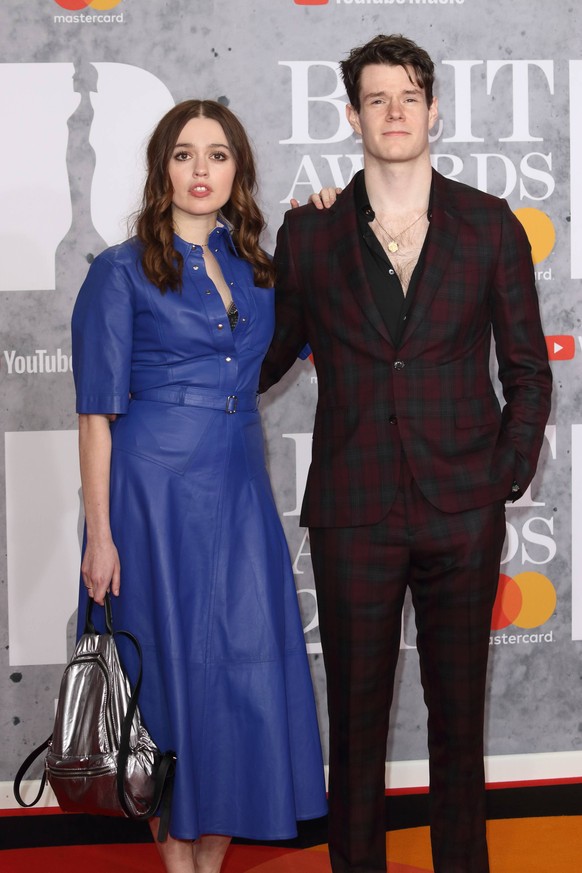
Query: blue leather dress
pixel 206 580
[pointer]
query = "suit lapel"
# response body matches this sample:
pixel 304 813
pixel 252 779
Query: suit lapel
pixel 444 227
pixel 345 239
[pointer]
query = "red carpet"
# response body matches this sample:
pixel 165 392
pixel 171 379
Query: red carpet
pixel 534 845
pixel 531 829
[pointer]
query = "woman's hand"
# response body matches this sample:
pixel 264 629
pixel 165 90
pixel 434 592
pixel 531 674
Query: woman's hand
pixel 101 569
pixel 323 200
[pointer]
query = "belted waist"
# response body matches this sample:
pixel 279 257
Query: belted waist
pixel 247 401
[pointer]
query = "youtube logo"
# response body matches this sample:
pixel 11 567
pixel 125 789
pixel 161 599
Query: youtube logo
pixel 561 347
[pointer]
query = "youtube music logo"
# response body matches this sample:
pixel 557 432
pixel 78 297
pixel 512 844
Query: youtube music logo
pixel 561 347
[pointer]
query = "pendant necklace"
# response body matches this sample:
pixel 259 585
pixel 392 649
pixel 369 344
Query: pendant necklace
pixel 393 245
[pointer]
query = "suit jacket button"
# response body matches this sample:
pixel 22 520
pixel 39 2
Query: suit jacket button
pixel 393 419
pixel 399 365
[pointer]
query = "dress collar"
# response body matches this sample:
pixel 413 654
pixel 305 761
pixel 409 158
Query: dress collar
pixel 220 236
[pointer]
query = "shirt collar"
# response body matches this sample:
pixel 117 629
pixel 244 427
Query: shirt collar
pixel 221 235
pixel 363 208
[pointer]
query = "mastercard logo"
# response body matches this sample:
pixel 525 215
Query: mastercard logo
pixel 525 600
pixel 76 5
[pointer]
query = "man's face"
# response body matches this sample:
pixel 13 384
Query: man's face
pixel 394 119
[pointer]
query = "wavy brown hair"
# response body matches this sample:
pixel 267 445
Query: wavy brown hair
pixel 153 224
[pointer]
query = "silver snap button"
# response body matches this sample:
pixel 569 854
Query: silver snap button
pixel 399 365
pixel 228 360
pixel 220 326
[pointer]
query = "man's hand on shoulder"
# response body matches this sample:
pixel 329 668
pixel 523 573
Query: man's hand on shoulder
pixel 323 200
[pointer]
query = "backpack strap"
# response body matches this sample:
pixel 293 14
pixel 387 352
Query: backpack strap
pixel 36 753
pixel 164 776
pixel 22 772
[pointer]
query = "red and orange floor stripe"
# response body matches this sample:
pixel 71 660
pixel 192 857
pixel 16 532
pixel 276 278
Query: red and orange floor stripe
pixel 533 845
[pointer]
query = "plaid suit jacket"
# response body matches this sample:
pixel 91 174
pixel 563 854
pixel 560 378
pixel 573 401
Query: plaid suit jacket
pixel 433 395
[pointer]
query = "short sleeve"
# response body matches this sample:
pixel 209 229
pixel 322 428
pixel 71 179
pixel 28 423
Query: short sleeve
pixel 102 335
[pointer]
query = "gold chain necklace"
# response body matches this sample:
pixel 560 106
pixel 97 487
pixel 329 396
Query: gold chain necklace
pixel 393 245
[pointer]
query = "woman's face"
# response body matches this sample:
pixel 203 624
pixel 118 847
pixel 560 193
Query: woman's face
pixel 201 169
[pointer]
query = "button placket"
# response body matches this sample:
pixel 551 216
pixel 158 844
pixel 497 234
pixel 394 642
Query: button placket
pixel 226 343
pixel 225 267
pixel 195 257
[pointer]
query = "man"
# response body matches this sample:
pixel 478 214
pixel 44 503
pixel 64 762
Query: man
pixel 398 288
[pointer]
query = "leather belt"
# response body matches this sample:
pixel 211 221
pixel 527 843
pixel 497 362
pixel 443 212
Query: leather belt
pixel 184 396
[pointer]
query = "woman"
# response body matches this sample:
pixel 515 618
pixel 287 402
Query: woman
pixel 169 331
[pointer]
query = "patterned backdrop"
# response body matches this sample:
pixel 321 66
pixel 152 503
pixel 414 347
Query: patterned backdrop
pixel 81 86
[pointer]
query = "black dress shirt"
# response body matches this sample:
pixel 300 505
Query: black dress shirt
pixel 393 305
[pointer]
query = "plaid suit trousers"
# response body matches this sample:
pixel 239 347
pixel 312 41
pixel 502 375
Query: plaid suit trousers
pixel 450 561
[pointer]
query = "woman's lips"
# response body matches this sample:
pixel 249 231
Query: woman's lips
pixel 200 191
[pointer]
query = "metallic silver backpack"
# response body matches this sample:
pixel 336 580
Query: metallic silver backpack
pixel 101 759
